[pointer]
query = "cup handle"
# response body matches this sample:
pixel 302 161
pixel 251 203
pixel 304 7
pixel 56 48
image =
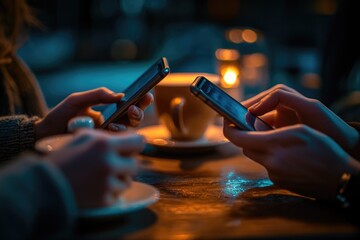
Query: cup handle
pixel 177 112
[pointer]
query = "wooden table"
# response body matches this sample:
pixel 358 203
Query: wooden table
pixel 219 194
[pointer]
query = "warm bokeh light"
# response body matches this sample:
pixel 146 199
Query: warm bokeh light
pixel 230 77
pixel 227 54
pixel 249 36
pixel 228 67
pixel 177 101
pixel 254 60
pixel 235 36
pixel 251 75
pixel 311 80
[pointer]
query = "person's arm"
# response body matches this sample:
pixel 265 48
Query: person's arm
pixel 36 201
pixel 17 134
pixel 297 158
pixel 355 151
pixel 80 104
pixel 281 106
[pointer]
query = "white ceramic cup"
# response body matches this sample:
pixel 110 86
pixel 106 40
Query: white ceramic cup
pixel 183 115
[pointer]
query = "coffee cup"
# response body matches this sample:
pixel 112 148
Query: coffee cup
pixel 183 115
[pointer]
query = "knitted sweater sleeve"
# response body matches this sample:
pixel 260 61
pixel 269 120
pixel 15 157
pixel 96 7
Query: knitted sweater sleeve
pixel 17 134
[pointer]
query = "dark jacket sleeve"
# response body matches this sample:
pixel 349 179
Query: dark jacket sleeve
pixel 36 201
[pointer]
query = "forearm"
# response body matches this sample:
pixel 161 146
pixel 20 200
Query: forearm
pixel 35 201
pixel 355 151
pixel 17 134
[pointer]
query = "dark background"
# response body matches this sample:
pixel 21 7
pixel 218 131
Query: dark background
pixel 90 43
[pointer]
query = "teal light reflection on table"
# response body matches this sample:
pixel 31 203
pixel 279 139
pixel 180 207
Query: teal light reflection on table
pixel 234 185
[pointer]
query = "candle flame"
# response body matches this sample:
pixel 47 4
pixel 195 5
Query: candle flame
pixel 230 77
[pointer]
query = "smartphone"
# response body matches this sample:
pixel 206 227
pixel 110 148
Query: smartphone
pixel 152 76
pixel 226 106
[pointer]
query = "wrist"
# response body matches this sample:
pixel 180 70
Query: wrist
pixel 38 128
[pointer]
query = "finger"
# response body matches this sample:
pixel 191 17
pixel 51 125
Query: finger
pixel 146 101
pixel 135 115
pixel 265 140
pixel 115 127
pixel 117 186
pixel 123 166
pixel 286 116
pixel 93 97
pixel 254 100
pixel 244 139
pixel 269 118
pixel 127 143
pixel 95 115
pixel 290 100
pixel 134 123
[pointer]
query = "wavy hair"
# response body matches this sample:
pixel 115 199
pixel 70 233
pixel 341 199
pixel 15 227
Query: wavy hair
pixel 16 16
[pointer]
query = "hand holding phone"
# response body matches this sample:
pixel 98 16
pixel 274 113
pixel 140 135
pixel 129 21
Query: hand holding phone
pixel 226 106
pixel 152 76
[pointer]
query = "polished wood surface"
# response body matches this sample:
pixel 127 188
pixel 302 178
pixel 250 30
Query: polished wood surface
pixel 219 194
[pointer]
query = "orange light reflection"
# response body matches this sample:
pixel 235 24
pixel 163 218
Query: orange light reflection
pixel 249 36
pixel 227 54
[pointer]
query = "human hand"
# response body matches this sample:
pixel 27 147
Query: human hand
pixel 98 165
pixel 79 104
pixel 282 106
pixel 297 158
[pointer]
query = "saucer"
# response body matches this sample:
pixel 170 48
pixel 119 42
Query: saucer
pixel 159 137
pixel 52 143
pixel 137 196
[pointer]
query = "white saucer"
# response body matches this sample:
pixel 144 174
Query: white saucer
pixel 158 136
pixel 53 143
pixel 138 196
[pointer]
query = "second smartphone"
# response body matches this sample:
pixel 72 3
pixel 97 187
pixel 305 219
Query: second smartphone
pixel 226 106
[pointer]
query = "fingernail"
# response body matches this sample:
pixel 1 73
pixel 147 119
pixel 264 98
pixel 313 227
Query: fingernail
pixel 119 95
pixel 136 113
pixel 117 127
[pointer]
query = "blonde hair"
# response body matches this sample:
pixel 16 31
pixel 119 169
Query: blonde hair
pixel 15 18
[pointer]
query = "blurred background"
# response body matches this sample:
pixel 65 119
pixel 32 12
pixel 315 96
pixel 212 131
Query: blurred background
pixel 253 44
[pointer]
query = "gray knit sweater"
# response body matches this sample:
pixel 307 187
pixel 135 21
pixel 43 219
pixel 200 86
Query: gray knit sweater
pixel 21 104
pixel 16 135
